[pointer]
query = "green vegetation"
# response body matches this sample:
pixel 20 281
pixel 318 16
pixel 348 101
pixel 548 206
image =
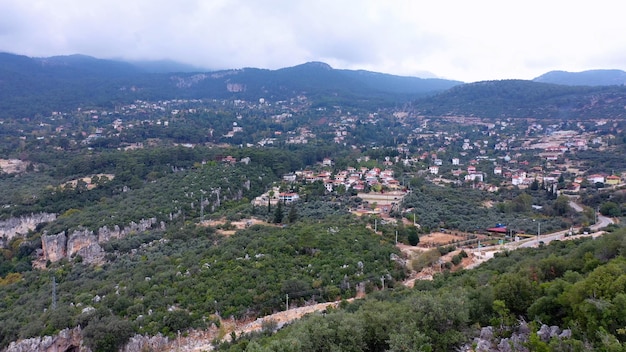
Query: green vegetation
pixel 461 209
pixel 101 144
pixel 179 279
pixel 521 99
pixel 573 284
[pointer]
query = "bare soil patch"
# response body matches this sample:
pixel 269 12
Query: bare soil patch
pixel 13 166
pixel 88 179
pixel 438 239
pixel 226 228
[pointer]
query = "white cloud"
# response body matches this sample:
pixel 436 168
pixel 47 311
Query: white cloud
pixel 465 40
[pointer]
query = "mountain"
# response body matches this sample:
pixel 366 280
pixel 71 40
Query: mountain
pixel 41 85
pixel 525 99
pixel 584 78
pixel 164 66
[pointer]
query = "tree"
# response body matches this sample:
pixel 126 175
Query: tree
pixel 177 320
pixel 561 205
pixel 278 213
pixel 412 237
pixel 517 291
pixel 292 216
pixel 522 203
pixel 534 185
pixel 561 181
pixel 107 334
pixel 611 209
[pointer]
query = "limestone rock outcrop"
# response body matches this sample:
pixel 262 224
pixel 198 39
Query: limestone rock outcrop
pixel 14 227
pixel 71 340
pixel 105 234
pixel 66 340
pixel 87 244
pixel 54 246
pixel 139 343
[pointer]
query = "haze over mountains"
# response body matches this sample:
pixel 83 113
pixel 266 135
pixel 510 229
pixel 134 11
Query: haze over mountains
pixel 584 78
pixel 41 85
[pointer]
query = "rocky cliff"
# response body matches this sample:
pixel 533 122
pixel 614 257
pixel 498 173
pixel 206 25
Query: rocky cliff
pixel 68 340
pixel 71 340
pixel 14 227
pixel 86 243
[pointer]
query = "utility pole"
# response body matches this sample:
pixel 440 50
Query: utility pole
pixel 538 230
pixel 54 293
pixel 287 301
pixel 382 279
pixel 396 236
pixel 201 208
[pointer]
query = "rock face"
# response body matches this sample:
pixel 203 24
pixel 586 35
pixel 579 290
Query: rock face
pixel 71 340
pixel 487 342
pixel 105 234
pixel 54 246
pixel 68 340
pixel 140 343
pixel 14 227
pixel 86 243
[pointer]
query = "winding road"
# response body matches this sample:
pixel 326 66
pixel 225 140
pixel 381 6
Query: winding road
pixel 196 344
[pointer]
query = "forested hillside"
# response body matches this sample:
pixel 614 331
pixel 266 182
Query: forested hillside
pixel 576 285
pixel 584 78
pixel 183 278
pixel 31 86
pixel 525 99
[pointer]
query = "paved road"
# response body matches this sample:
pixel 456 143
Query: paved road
pixel 602 222
pixel 547 238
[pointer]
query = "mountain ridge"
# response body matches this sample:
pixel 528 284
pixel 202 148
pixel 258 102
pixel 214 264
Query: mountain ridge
pixel 525 99
pixel 41 85
pixel 600 77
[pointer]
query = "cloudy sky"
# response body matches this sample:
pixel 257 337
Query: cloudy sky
pixel 467 40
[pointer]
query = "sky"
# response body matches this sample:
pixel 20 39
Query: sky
pixel 465 40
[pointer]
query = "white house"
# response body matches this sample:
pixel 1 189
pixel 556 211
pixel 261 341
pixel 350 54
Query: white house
pixel 596 178
pixel 288 197
pixel 474 177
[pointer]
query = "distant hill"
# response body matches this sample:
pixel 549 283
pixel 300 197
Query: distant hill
pixel 584 78
pixel 41 85
pixel 526 99
pixel 164 66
